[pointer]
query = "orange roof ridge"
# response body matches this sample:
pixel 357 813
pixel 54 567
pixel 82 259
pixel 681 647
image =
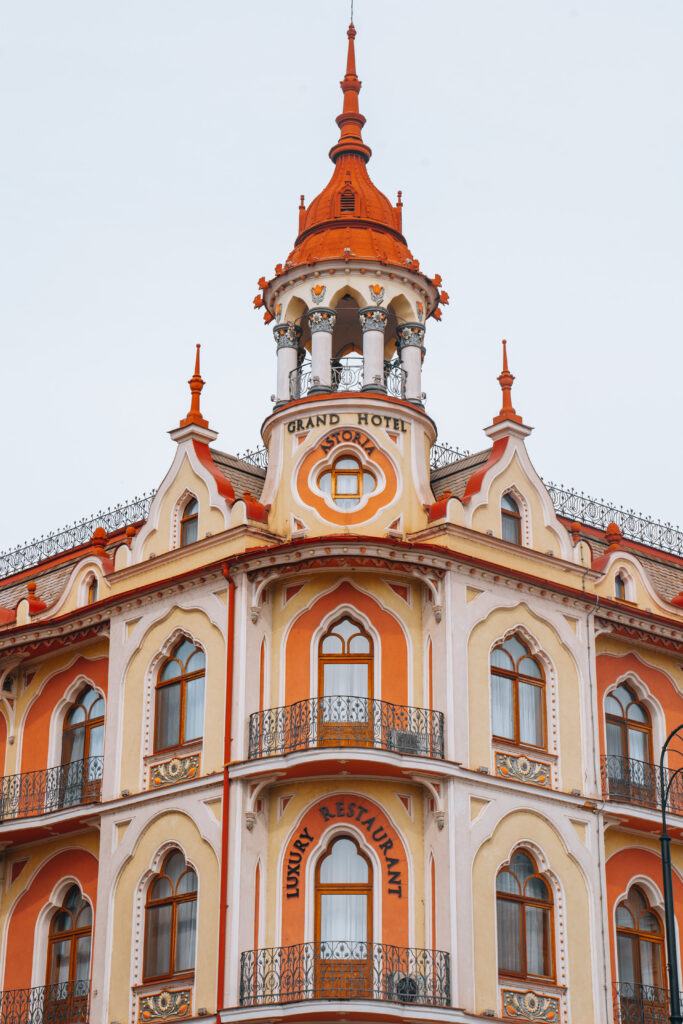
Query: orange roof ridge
pixel 506 379
pixel 196 384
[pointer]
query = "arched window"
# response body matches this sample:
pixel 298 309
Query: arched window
pixel 619 587
pixel 171 921
pixel 345 683
pixel 179 711
pixel 347 482
pixel 630 772
pixel 189 523
pixel 82 749
pixel 640 948
pixel 343 920
pixel 517 694
pixel 524 908
pixel 511 520
pixel 92 590
pixel 68 960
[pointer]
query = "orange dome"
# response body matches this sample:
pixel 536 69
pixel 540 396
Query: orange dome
pixel 351 218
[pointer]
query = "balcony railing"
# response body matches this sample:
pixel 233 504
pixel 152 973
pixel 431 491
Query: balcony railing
pixel 65 1003
pixel 640 1004
pixel 347 374
pixel 52 789
pixel 344 970
pixel 346 722
pixel 637 782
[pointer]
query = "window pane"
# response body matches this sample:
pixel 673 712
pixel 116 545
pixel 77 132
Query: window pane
pixel 161 889
pixel 506 882
pixel 347 483
pixel 515 648
pixel 508 503
pixel 537 889
pixel 613 707
pixel 196 662
pixel 325 483
pixel 97 710
pixel 626 959
pixel 348 679
pixel 509 936
pixel 83 958
pixel 538 941
pixel 637 713
pixel 84 917
pixel 615 736
pixel 157 941
pixel 194 709
pixel 171 670
pixel 332 645
pixel 187 883
pixel 343 864
pixel 650 963
pixel 346 503
pixel 73 745
pixel 522 866
pixel 186 935
pixel 637 745
pixel 501 659
pixel 168 716
pixel 359 645
pixel 346 464
pixel 343 918
pixel 511 529
pixel 189 532
pixel 502 708
pixel 368 483
pixel 76 715
pixel 175 866
pixel 530 667
pixel 624 918
pixel 61 955
pixel 530 714
pixel 96 741
pixel 649 923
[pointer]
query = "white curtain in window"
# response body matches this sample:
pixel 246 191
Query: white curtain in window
pixel 509 932
pixel 343 918
pixel 537 941
pixel 502 709
pixel 530 714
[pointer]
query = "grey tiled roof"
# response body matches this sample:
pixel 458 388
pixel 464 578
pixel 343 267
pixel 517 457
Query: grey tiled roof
pixel 454 478
pixel 49 584
pixel 242 475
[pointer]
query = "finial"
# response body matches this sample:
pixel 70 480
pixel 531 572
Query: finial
pixel 196 384
pixel 350 120
pixel 505 379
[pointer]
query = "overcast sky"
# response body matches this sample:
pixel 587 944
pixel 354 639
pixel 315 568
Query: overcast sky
pixel 153 153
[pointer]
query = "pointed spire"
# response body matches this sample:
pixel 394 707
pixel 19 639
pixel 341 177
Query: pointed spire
pixel 196 384
pixel 505 379
pixel 350 120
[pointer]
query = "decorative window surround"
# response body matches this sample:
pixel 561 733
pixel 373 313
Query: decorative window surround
pixel 531 1006
pixel 175 769
pixel 522 768
pixel 164 1005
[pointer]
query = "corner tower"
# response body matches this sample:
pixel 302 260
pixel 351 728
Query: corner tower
pixel 349 308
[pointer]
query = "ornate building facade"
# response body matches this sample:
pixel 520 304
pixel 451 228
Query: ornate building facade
pixel 356 727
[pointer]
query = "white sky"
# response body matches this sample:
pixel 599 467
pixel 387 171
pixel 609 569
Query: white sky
pixel 153 153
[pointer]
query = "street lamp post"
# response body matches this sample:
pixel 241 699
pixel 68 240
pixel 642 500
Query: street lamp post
pixel 670 923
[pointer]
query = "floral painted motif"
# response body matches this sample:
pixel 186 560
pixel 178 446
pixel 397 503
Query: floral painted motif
pixel 376 293
pixel 322 320
pixel 522 769
pixel 166 1005
pixel 318 293
pixel 372 319
pixel 178 769
pixel 530 1006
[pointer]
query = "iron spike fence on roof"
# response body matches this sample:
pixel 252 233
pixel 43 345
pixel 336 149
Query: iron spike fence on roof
pixel 71 536
pixel 580 507
pixel 445 454
pixel 255 457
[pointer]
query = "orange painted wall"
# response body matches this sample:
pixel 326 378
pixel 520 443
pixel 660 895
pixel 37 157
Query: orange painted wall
pixel 3 743
pixel 394 648
pixel 37 722
pixel 394 907
pixel 72 863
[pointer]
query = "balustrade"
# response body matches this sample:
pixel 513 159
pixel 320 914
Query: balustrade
pixel 344 970
pixel 346 375
pixel 637 782
pixel 51 789
pixel 64 1003
pixel 640 1004
pixel 341 721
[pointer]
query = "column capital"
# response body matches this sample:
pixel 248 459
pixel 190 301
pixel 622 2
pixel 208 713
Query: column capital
pixel 372 318
pixel 322 319
pixel 287 335
pixel 410 335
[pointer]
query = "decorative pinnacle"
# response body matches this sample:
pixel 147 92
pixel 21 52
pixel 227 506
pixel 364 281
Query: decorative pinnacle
pixel 350 120
pixel 505 379
pixel 196 384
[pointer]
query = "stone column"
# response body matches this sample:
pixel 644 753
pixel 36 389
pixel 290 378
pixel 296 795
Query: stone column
pixel 321 321
pixel 373 320
pixel 287 337
pixel 409 343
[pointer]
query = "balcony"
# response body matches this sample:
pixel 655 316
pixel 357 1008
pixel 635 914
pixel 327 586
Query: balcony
pixel 640 1004
pixel 65 1003
pixel 52 789
pixel 347 375
pixel 346 722
pixel 628 781
pixel 344 970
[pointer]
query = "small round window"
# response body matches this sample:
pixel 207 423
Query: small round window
pixel 347 483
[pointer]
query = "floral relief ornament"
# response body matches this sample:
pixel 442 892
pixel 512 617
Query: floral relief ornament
pixel 376 293
pixel 530 1006
pixel 522 769
pixel 166 1005
pixel 318 293
pixel 178 769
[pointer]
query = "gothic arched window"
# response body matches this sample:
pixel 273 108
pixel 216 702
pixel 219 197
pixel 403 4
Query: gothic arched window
pixel 83 730
pixel 619 587
pixel 345 684
pixel 93 590
pixel 640 946
pixel 524 909
pixel 511 520
pixel 68 960
pixel 171 920
pixel 517 694
pixel 630 773
pixel 179 711
pixel 189 523
pixel 343 920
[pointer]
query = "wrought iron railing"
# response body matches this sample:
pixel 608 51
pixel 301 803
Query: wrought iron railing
pixel 71 536
pixel 637 782
pixel 640 1004
pixel 64 1003
pixel 633 525
pixel 444 454
pixel 345 970
pixel 52 789
pixel 340 721
pixel 255 457
pixel 347 374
